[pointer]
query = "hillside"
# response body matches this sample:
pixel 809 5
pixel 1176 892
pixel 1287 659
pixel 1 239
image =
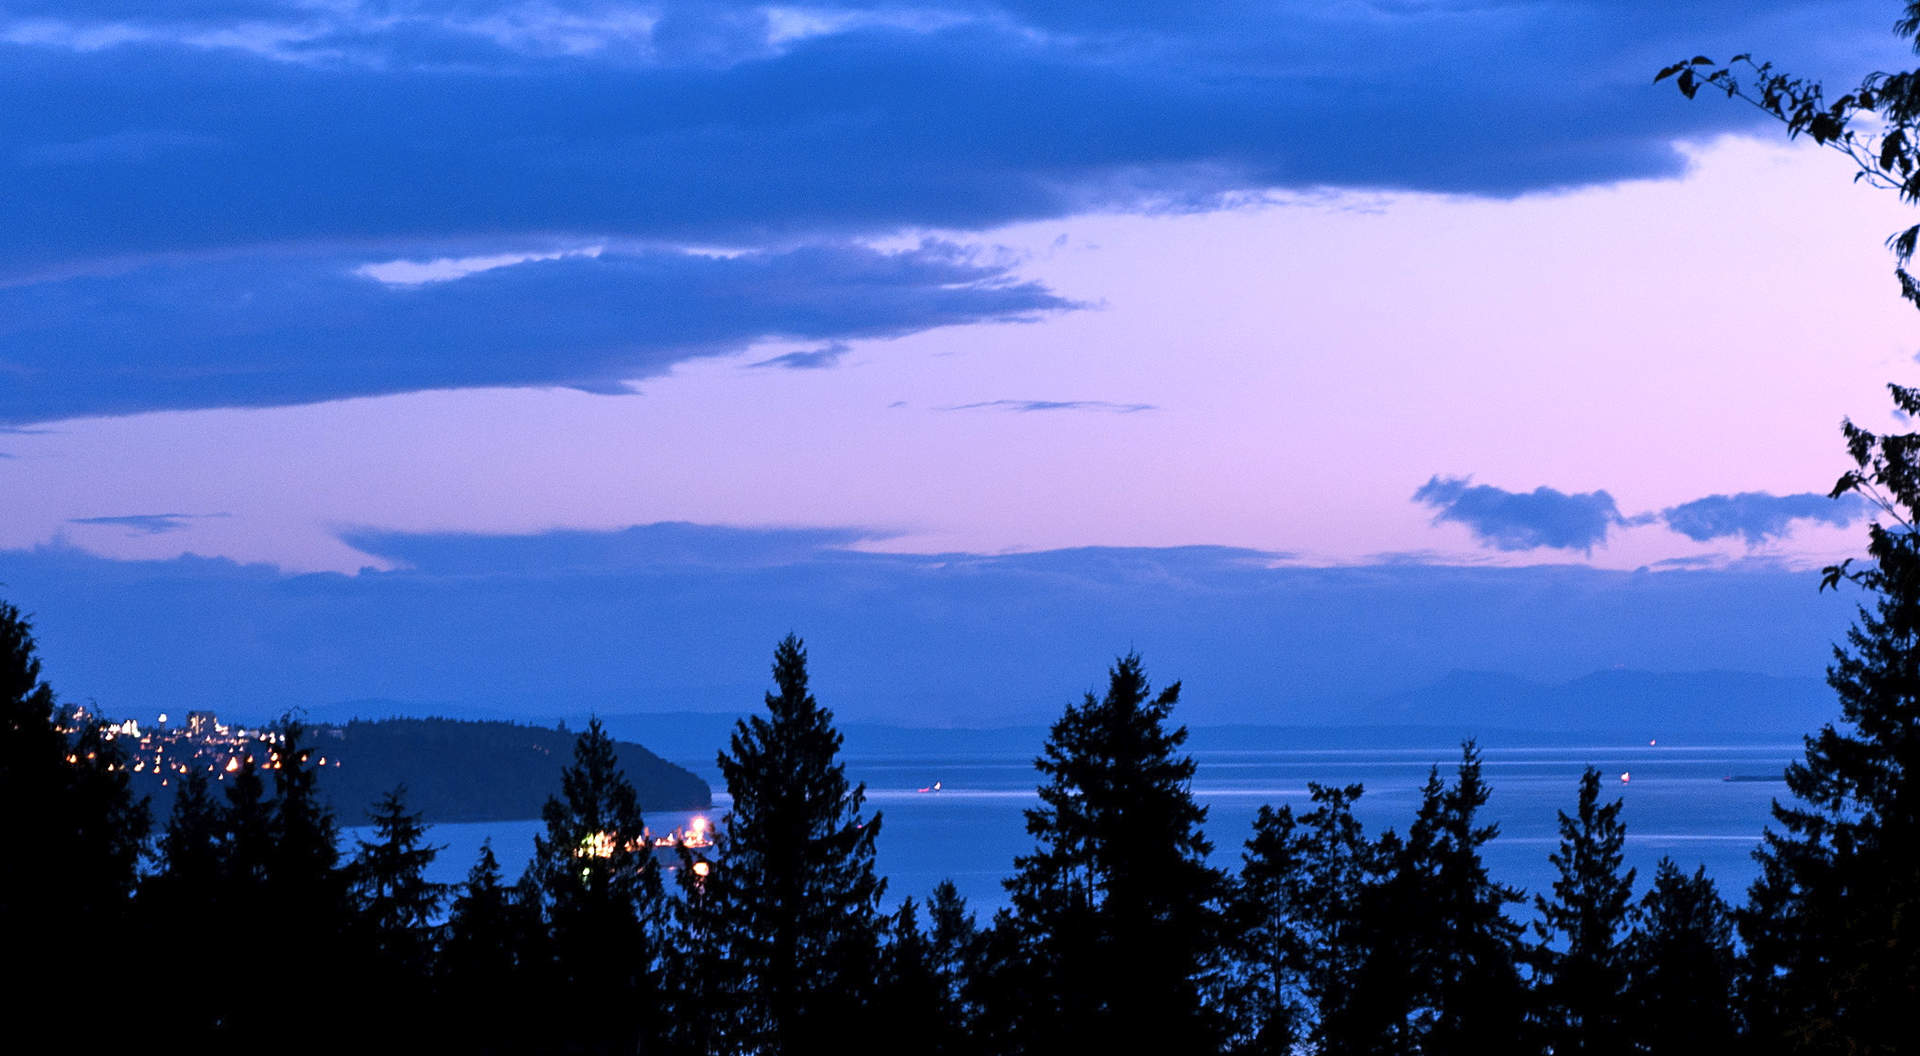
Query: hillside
pixel 459 770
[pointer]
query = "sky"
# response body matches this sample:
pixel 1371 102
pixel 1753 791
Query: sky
pixel 927 330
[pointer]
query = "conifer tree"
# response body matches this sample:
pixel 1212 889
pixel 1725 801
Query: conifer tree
pixel 702 986
pixel 1438 959
pixel 1120 915
pixel 281 872
pixel 395 906
pixel 190 847
pixel 915 1008
pixel 179 895
pixel 1270 919
pixel 1480 1000
pixel 492 963
pixel 1832 927
pixel 601 891
pixel 1582 958
pixel 72 829
pixel 954 942
pixel 799 895
pixel 1683 967
pixel 1392 944
pixel 1298 905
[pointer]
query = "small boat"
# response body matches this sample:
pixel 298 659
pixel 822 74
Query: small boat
pixel 935 787
pixel 1624 778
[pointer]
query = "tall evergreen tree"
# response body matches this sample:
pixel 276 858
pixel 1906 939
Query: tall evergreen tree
pixel 1438 958
pixel 1121 916
pixel 799 895
pixel 1271 1003
pixel 181 893
pixel 601 890
pixel 954 940
pixel 915 1006
pixel 395 907
pixel 72 829
pixel 1298 906
pixel 281 871
pixel 493 962
pixel 704 988
pixel 1683 967
pixel 1833 923
pixel 1480 1000
pixel 1582 959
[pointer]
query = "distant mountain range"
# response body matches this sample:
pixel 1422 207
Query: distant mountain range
pixel 486 769
pixel 1638 705
pixel 1617 706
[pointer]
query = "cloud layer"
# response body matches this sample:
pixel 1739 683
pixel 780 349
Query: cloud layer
pixel 239 123
pixel 189 192
pixel 297 329
pixel 680 617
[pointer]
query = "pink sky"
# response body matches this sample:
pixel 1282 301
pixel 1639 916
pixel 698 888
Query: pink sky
pixel 1310 363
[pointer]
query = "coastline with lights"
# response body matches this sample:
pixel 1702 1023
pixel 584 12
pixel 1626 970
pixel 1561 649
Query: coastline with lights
pixel 453 770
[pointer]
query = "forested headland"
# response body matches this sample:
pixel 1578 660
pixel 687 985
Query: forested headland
pixel 464 770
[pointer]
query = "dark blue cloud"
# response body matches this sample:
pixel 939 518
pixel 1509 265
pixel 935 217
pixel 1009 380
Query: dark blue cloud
pixel 1757 516
pixel 237 124
pixel 147 523
pixel 1031 406
pixel 184 186
pixel 1523 520
pixel 809 359
pixel 269 330
pixel 557 625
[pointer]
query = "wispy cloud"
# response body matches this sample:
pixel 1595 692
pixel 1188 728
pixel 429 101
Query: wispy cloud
pixel 1032 406
pixel 279 330
pixel 148 523
pixel 809 359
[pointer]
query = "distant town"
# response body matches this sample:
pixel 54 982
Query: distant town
pixel 203 742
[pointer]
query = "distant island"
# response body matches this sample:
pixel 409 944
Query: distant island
pixel 453 769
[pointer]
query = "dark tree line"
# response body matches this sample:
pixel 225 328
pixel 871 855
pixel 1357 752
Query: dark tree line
pixel 1119 934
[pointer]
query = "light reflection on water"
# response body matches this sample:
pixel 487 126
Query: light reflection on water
pixel 1678 804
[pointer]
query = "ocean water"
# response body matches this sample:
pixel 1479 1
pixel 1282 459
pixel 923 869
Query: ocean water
pixel 1678 804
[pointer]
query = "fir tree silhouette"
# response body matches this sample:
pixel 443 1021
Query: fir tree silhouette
pixel 1582 958
pixel 798 894
pixel 601 893
pixel 1119 916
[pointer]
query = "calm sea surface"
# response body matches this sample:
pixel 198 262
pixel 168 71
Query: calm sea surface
pixel 1678 804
